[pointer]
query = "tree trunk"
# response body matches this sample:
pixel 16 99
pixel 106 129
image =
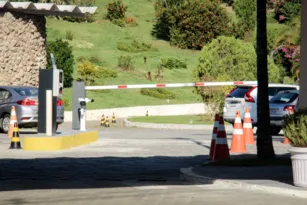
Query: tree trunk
pixel 264 139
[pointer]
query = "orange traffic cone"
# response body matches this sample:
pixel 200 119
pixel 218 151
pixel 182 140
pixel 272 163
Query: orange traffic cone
pixel 286 140
pixel 221 151
pixel 290 111
pixel 237 143
pixel 214 133
pixel 13 120
pixel 248 131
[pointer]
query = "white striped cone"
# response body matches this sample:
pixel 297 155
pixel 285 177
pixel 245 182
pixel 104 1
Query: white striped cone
pixel 237 143
pixel 13 120
pixel 221 151
pixel 214 134
pixel 248 131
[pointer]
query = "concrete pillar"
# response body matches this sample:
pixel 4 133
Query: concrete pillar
pixel 303 57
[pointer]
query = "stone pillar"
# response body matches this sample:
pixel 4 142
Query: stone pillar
pixel 22 48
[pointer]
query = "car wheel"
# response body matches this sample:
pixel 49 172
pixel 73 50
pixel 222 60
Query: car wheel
pixel 275 130
pixel 5 123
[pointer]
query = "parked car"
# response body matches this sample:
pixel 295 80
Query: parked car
pixel 246 95
pixel 25 100
pixel 281 105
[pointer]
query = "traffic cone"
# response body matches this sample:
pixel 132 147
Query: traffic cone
pixel 13 120
pixel 147 113
pixel 248 131
pixel 214 133
pixel 113 118
pixel 102 121
pixel 107 124
pixel 221 151
pixel 237 143
pixel 290 111
pixel 286 140
pixel 15 140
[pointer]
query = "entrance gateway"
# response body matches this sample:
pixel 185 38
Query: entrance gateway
pixel 79 92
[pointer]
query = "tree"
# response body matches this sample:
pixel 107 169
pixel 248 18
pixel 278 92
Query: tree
pixel 64 59
pixel 264 139
pixel 228 59
pixel 246 13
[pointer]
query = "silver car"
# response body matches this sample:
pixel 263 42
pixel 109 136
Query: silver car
pixel 281 105
pixel 25 100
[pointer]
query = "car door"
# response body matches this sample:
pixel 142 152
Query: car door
pixel 5 99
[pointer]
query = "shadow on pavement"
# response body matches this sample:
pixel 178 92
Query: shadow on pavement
pixel 100 172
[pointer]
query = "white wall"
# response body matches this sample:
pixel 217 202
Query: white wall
pixel 180 109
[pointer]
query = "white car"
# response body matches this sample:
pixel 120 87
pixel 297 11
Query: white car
pixel 246 95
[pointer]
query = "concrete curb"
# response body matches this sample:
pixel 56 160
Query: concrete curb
pixel 188 175
pixel 171 126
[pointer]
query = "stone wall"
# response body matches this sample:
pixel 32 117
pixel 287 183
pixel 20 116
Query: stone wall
pixel 22 48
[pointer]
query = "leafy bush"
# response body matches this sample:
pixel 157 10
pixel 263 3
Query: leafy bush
pixel 229 2
pixel 126 63
pixel 160 93
pixel 295 128
pixel 131 21
pixel 172 63
pixel 135 46
pixel 87 72
pixel 95 60
pixel 189 23
pixel 63 57
pixel 246 13
pixel 118 22
pixel 116 10
pixel 107 73
pixel 69 35
pixel 228 59
pixel 286 10
pixel 274 35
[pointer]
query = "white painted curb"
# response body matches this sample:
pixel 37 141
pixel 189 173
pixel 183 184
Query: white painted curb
pixel 189 175
pixel 172 126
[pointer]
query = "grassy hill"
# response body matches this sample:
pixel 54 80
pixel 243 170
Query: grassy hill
pixel 99 39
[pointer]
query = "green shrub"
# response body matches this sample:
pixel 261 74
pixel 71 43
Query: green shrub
pixel 135 46
pixel 229 2
pixel 246 13
pixel 63 57
pixel 118 22
pixel 173 63
pixel 160 93
pixel 286 10
pixel 189 23
pixel 228 59
pixel 69 35
pixel 116 10
pixel 126 63
pixel 66 103
pixel 131 21
pixel 87 72
pixel 107 73
pixel 295 128
pixel 95 60
pixel 274 33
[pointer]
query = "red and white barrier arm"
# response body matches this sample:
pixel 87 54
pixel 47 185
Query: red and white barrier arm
pixel 170 85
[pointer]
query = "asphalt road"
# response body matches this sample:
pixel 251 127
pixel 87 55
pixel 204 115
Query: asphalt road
pixel 130 165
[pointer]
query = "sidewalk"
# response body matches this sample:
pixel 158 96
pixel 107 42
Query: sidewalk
pixel 271 179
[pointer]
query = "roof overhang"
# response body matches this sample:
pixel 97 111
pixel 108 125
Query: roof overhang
pixel 46 9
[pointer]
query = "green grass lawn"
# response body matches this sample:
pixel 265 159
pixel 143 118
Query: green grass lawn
pixel 180 119
pixel 101 38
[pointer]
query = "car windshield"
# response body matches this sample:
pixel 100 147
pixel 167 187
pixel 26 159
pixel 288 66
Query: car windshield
pixel 29 92
pixel 239 92
pixel 284 98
